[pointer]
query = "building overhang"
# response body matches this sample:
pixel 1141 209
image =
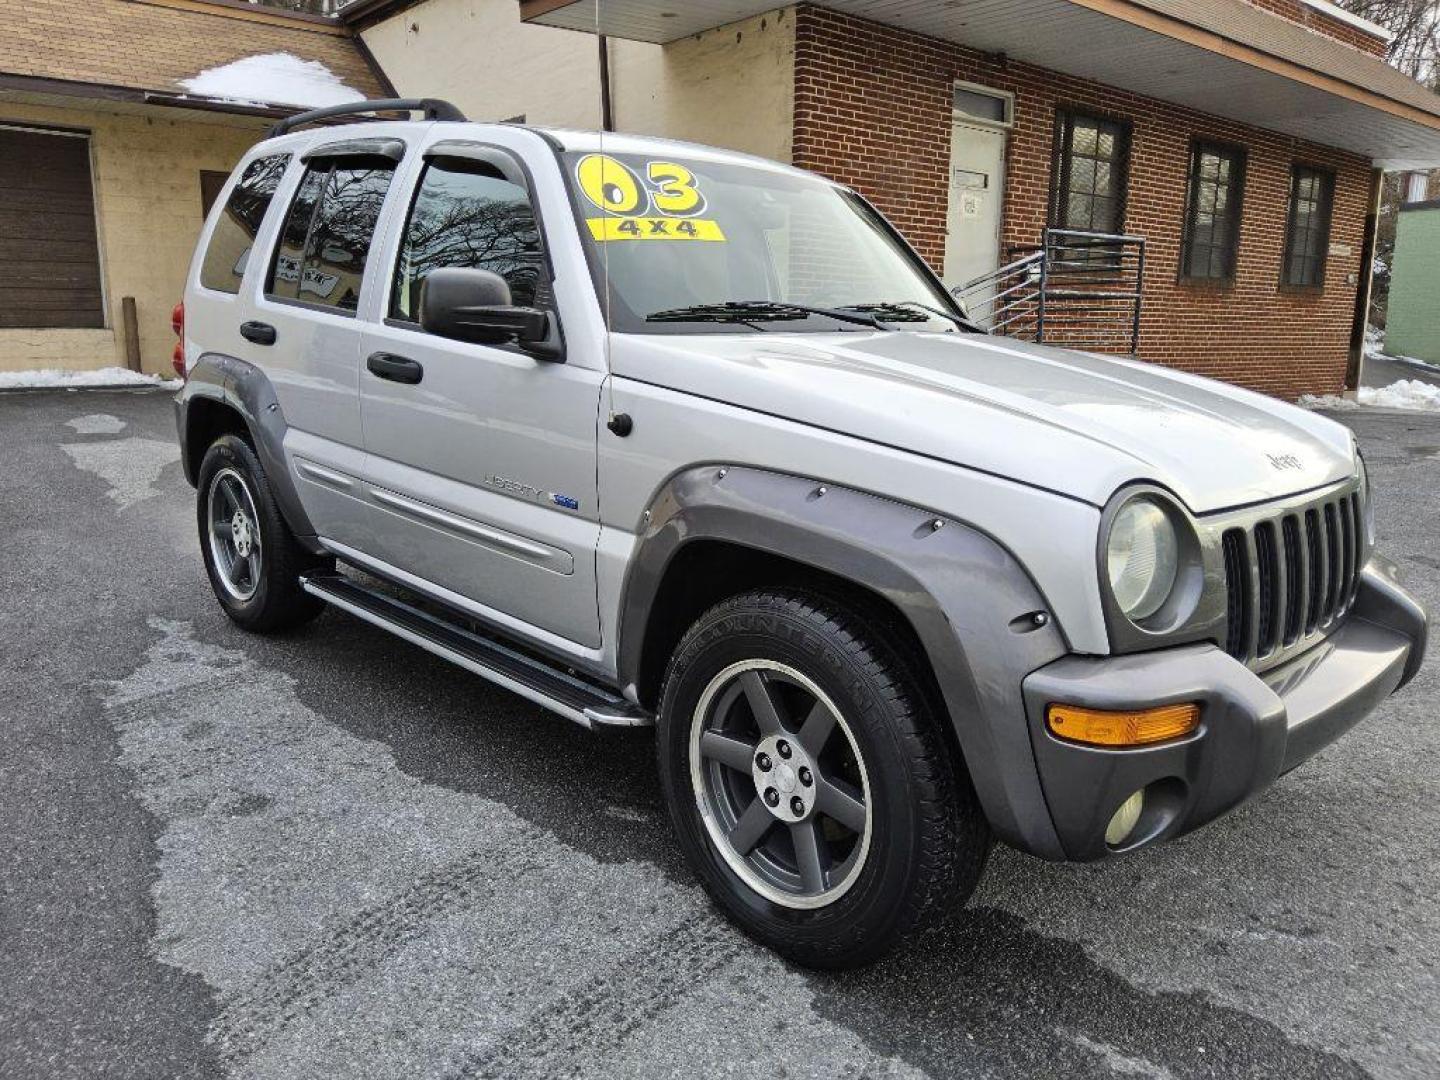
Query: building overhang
pixel 1221 57
pixel 105 97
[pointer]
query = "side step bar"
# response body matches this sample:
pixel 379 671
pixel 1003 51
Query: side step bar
pixel 574 698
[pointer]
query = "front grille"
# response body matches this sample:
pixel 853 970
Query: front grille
pixel 1290 575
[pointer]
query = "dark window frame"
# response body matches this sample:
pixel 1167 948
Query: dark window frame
pixel 1300 170
pixel 1062 164
pixel 212 186
pixel 1238 157
pixel 328 165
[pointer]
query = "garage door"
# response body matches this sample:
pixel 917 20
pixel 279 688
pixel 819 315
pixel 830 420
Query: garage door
pixel 49 258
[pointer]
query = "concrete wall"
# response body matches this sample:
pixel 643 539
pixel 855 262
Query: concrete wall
pixel 1412 327
pixel 146 172
pixel 733 86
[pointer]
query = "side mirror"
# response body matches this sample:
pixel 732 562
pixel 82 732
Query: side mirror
pixel 475 305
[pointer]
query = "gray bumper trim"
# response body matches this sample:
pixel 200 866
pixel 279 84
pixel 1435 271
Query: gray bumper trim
pixel 1253 728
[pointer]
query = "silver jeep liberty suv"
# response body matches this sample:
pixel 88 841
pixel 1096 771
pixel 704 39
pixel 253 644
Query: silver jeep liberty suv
pixel 653 433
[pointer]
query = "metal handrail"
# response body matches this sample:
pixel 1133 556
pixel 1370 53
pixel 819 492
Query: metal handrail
pixel 1076 288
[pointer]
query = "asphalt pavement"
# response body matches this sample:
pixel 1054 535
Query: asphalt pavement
pixel 329 854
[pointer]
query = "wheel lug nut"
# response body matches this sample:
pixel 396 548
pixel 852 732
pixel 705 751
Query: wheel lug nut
pixel 805 777
pixel 763 762
pixel 797 806
pixel 772 797
pixel 782 748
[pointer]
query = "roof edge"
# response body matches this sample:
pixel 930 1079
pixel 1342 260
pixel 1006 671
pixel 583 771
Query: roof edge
pixel 363 14
pixel 247 12
pixel 98 91
pixel 1349 18
pixel 1246 53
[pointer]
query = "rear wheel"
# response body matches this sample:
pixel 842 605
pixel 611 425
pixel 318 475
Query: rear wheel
pixel 252 558
pixel 808 781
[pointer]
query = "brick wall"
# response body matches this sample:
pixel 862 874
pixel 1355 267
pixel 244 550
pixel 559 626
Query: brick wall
pixel 1331 27
pixel 872 110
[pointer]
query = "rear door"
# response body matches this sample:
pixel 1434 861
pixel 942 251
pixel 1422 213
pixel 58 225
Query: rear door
pixel 482 470
pixel 304 330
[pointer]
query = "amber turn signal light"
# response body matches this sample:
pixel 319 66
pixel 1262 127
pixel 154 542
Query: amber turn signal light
pixel 1099 727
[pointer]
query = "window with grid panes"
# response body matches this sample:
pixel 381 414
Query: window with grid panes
pixel 1307 237
pixel 1212 213
pixel 1090 174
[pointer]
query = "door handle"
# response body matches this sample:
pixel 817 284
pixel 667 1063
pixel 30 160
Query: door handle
pixel 260 333
pixel 399 369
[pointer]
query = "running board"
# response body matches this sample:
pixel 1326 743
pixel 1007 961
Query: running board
pixel 554 688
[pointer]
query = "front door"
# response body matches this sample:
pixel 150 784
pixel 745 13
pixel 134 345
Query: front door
pixel 480 458
pixel 972 240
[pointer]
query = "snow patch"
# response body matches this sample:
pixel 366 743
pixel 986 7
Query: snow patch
pixel 97 424
pixel 53 378
pixel 273 79
pixel 130 467
pixel 1405 394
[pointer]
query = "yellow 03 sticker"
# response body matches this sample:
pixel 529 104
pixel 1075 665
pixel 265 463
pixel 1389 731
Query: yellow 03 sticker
pixel 655 228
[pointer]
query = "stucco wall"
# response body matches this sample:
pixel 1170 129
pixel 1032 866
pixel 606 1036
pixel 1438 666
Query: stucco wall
pixel 733 86
pixel 146 170
pixel 1412 326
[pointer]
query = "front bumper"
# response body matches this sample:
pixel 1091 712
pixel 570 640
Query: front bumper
pixel 1253 728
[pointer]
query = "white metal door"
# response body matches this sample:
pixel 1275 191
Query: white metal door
pixel 972 239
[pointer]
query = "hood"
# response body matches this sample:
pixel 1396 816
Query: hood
pixel 1078 424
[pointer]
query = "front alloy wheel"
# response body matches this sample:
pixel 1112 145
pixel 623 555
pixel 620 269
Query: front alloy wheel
pixel 780 784
pixel 810 783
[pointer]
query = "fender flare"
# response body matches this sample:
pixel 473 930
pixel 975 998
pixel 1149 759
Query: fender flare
pixel 246 389
pixel 971 604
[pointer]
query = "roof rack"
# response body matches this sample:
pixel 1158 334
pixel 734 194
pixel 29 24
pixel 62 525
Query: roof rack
pixel 433 108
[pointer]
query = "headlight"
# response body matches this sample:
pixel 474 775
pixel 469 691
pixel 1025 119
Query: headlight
pixel 1143 558
pixel 1367 501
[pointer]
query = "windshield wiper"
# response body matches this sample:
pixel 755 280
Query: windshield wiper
pixel 903 311
pixel 760 311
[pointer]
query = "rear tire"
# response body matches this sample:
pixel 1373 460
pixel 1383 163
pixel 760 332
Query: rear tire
pixel 809 783
pixel 251 556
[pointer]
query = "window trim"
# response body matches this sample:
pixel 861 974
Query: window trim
pixel 518 172
pixel 1007 96
pixel 1062 136
pixel 331 163
pixel 1328 177
pixel 1240 162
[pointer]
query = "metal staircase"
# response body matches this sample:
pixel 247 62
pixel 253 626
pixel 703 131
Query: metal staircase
pixel 1077 290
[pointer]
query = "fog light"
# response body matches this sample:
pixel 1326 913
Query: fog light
pixel 1099 727
pixel 1123 823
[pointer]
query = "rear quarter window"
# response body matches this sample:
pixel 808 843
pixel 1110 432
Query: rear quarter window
pixel 228 253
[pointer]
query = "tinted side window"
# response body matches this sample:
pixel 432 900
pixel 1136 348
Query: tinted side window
pixel 326 241
pixel 467 214
pixel 234 235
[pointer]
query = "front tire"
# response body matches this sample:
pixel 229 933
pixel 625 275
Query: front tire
pixel 251 556
pixel 809 782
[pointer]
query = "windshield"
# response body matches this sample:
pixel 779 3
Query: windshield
pixel 690 245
